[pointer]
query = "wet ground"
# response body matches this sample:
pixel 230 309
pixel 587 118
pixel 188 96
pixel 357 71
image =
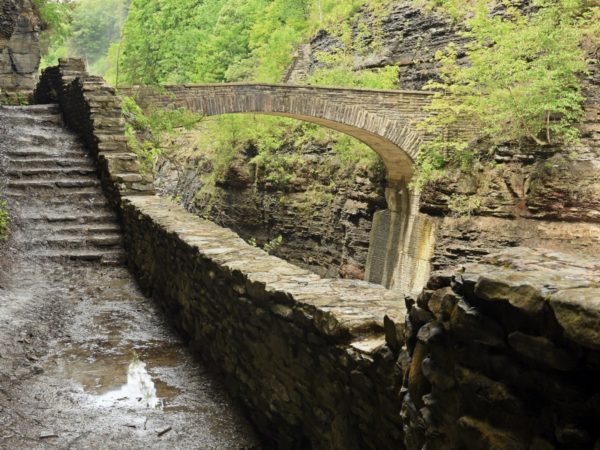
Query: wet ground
pixel 86 361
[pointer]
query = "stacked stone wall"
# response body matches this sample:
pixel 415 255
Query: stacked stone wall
pixel 91 109
pixel 505 354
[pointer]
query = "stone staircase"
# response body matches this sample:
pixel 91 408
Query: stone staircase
pixel 52 182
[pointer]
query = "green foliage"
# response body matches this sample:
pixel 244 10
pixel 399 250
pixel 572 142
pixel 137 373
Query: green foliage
pixel 521 83
pixel 338 68
pixel 464 205
pixel 87 29
pixel 354 153
pixel 56 17
pixel 168 41
pixel 273 244
pixel 270 246
pixel 4 220
pixel 339 74
pixel 145 130
pixel 95 25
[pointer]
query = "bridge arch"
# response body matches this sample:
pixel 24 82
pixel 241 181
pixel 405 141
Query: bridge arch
pixel 401 239
pixel 383 120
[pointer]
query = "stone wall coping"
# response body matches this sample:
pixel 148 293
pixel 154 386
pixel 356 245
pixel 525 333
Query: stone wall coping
pixel 340 308
pixel 285 86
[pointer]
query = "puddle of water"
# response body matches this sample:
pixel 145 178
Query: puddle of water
pixel 123 377
pixel 140 390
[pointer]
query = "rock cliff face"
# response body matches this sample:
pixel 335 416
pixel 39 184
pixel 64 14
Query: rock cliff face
pixel 504 354
pixel 19 48
pixel 323 214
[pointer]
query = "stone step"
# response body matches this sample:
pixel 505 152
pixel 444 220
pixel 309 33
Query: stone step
pixel 70 219
pixel 81 241
pixel 49 108
pixel 54 183
pixel 41 163
pixel 30 135
pixel 50 172
pixel 82 228
pixel 110 258
pixel 38 120
pixel 59 205
pixel 54 152
pixel 85 196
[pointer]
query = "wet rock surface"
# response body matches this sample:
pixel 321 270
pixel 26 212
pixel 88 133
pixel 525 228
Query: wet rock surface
pixel 86 361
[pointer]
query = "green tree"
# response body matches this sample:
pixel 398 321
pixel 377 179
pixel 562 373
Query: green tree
pixel 56 17
pixel 96 24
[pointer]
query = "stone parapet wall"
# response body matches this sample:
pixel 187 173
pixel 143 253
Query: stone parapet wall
pixel 91 109
pixel 305 355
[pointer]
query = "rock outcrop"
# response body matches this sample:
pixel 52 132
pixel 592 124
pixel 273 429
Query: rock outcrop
pixel 19 49
pixel 324 228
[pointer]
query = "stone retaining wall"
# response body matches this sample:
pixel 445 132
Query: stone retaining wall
pixel 505 354
pixel 305 355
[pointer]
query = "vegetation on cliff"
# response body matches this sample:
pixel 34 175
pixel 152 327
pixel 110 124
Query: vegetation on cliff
pixel 232 40
pixel 522 82
pixel 229 40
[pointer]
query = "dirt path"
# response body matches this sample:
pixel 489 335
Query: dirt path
pixel 86 361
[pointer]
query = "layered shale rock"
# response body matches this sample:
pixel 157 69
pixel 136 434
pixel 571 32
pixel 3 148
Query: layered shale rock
pixel 19 49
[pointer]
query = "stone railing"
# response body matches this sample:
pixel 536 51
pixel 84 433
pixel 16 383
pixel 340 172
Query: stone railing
pixel 91 109
pixel 504 354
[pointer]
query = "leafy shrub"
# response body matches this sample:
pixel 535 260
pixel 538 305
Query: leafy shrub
pixel 521 83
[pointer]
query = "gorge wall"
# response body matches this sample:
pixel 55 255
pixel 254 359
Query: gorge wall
pixel 20 51
pixel 323 214
pixel 502 206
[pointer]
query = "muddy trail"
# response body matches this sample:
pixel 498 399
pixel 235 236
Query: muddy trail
pixel 86 361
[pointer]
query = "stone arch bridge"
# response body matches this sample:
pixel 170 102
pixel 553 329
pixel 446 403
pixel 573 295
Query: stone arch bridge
pixel 402 240
pixel 385 120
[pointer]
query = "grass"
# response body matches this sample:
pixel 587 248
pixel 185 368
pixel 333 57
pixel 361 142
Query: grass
pixel 4 220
